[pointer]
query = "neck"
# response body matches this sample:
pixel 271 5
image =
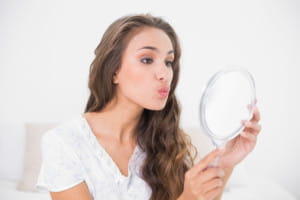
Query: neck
pixel 117 120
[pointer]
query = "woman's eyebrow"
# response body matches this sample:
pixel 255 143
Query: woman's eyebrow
pixel 155 49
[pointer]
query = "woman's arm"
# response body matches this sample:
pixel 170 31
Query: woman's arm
pixel 78 192
pixel 228 172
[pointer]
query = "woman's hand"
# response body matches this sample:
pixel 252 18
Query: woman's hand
pixel 239 147
pixel 202 182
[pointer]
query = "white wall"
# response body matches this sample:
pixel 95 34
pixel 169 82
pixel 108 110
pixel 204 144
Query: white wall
pixel 46 48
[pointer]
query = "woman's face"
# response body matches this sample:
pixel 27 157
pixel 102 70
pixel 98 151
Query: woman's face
pixel 145 75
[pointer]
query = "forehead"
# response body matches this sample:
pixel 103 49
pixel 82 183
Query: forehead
pixel 149 36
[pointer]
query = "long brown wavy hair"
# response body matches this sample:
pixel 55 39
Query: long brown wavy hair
pixel 169 150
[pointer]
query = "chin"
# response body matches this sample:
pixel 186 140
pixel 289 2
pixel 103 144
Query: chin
pixel 156 107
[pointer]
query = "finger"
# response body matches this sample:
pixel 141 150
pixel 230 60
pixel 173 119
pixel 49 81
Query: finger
pixel 252 126
pixel 251 131
pixel 249 136
pixel 211 173
pixel 212 194
pixel 256 114
pixel 212 184
pixel 203 163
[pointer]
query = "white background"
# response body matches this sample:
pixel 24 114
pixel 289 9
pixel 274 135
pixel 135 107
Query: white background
pixel 46 48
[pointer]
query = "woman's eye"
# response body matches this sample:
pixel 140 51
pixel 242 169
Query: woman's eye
pixel 169 63
pixel 147 60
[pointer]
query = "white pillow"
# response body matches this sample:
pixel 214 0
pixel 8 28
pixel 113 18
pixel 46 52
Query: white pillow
pixel 32 156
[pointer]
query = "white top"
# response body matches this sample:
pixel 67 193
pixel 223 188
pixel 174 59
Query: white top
pixel 71 154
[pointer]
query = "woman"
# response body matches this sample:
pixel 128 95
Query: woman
pixel 127 144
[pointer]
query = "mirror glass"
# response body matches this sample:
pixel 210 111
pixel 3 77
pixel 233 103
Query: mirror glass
pixel 224 103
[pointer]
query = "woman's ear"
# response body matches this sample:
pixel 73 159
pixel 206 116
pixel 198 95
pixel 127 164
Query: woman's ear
pixel 115 78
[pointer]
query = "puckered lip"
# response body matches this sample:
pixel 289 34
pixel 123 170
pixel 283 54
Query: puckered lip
pixel 164 89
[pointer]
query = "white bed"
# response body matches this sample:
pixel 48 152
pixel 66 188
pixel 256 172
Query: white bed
pixel 19 151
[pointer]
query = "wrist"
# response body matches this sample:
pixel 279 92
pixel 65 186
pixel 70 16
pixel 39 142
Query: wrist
pixel 228 170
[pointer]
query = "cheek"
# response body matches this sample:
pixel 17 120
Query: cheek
pixel 134 75
pixel 135 80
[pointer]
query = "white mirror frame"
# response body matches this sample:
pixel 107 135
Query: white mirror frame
pixel 217 140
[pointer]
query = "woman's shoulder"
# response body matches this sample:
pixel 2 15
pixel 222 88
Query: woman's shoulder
pixel 67 131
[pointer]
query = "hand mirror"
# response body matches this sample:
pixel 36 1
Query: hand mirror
pixel 224 103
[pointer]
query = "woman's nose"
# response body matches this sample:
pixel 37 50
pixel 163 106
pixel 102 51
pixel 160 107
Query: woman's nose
pixel 163 74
